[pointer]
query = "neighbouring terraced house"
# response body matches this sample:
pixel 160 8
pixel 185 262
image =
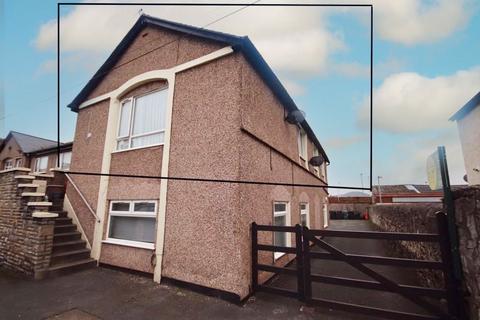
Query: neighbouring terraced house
pixel 21 150
pixel 174 100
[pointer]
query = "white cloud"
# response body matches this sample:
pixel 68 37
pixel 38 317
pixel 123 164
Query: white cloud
pixel 410 102
pixel 294 88
pixel 408 163
pixel 291 40
pixel 343 142
pixel 352 70
pixel 415 21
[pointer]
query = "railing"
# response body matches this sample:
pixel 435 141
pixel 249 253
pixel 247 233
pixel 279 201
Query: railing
pixel 82 197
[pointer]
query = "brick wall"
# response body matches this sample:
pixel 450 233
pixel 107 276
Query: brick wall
pixel 414 218
pixel 25 242
pixel 467 210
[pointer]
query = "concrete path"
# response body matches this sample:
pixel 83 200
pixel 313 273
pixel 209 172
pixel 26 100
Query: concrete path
pixel 102 293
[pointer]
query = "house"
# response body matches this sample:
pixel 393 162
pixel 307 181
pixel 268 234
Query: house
pixel 23 150
pixel 349 205
pixel 468 123
pixel 405 193
pixel 178 101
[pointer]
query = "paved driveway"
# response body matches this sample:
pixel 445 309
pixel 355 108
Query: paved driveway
pixel 102 293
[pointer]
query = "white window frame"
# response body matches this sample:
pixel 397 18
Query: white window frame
pixel 18 162
pixel 302 144
pixel 306 212
pixel 62 158
pixel 130 136
pixel 316 169
pixel 288 222
pixel 8 164
pixel 36 169
pixel 325 213
pixel 134 214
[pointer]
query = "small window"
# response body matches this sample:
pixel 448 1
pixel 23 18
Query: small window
pixel 19 163
pixel 142 121
pixel 65 159
pixel 41 164
pixel 281 217
pixel 8 164
pixel 302 144
pixel 304 215
pixel 132 223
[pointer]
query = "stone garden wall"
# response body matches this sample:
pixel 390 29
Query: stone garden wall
pixel 413 218
pixel 25 242
pixel 467 210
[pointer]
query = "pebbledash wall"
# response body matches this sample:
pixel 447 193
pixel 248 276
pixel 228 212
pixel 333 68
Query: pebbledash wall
pixel 421 218
pixel 25 241
pixel 225 124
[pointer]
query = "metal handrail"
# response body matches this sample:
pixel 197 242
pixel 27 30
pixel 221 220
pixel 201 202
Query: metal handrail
pixel 81 196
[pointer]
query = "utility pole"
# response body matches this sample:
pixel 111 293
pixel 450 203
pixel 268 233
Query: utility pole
pixel 379 188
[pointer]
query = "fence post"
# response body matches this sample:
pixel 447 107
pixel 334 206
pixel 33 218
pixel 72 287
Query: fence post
pixel 254 257
pixel 306 264
pixel 299 258
pixel 454 294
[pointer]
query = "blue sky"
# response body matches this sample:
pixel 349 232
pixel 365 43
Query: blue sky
pixel 426 66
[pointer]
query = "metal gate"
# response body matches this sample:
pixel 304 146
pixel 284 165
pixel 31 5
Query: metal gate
pixel 307 239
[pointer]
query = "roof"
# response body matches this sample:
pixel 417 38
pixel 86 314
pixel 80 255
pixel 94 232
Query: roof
pixel 241 44
pixel 67 146
pixel 467 108
pixel 412 188
pixel 29 143
pixel 352 194
pixel 403 189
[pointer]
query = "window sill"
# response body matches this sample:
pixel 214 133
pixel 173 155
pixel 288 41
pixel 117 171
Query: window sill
pixel 127 243
pixel 138 148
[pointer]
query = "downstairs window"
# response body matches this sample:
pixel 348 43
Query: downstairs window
pixel 132 223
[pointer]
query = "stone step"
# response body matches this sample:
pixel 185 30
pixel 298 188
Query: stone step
pixel 70 267
pixel 24 177
pixel 61 213
pixel 65 228
pixel 66 236
pixel 62 221
pixel 68 246
pixel 69 256
pixel 39 204
pixel 27 185
pixel 44 214
pixel 33 194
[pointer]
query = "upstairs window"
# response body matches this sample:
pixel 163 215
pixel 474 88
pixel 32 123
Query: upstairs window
pixel 304 215
pixel 316 154
pixel 18 163
pixel 8 164
pixel 41 164
pixel 142 121
pixel 302 144
pixel 65 159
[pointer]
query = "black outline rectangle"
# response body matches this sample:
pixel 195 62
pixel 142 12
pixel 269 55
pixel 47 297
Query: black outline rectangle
pixel 59 4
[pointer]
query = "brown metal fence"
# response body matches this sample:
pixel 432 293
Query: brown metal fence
pixel 305 238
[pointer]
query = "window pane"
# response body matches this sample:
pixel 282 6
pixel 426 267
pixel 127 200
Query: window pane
pixel 41 164
pixel 303 206
pixel 144 206
pixel 121 206
pixel 150 112
pixel 303 220
pixel 280 238
pixel 123 129
pixel 280 207
pixel 148 140
pixel 66 158
pixel 122 144
pixel 132 228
